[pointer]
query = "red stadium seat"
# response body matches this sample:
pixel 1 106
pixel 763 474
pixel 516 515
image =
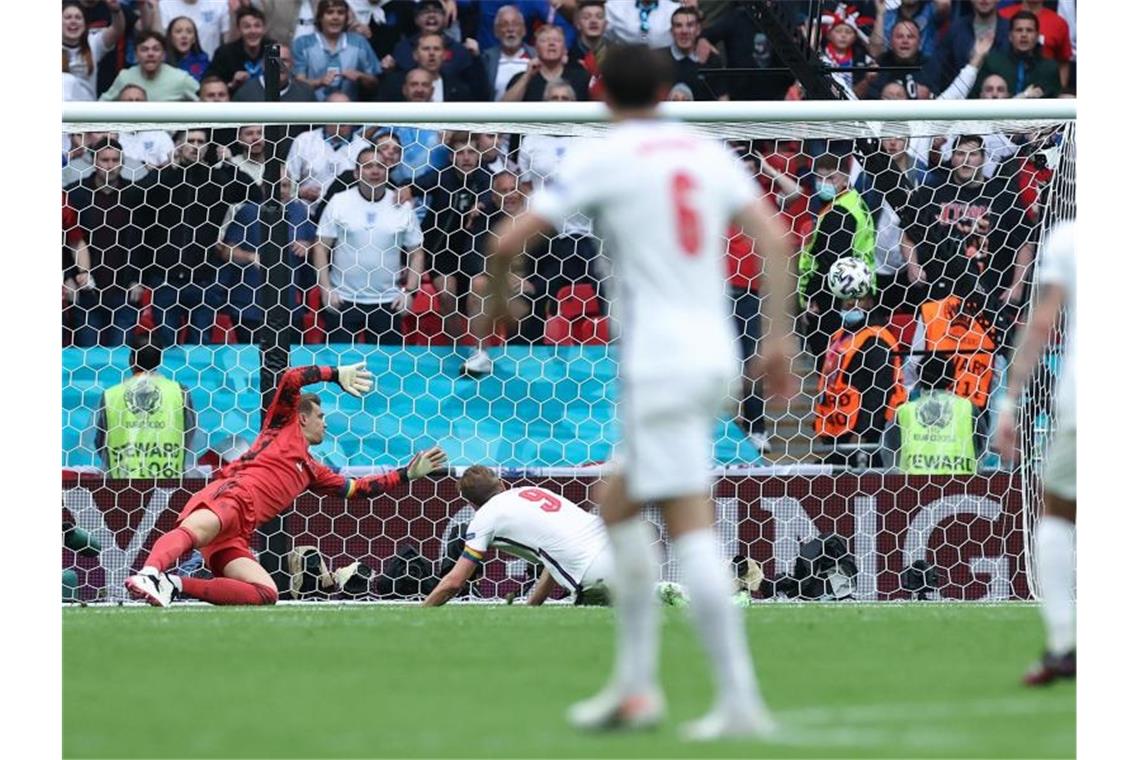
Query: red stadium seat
pixel 577 318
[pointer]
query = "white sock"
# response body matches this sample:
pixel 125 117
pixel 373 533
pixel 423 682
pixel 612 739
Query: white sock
pixel 1056 569
pixel 719 623
pixel 637 565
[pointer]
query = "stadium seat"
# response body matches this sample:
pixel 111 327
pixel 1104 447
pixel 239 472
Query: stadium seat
pixel 423 325
pixel 577 318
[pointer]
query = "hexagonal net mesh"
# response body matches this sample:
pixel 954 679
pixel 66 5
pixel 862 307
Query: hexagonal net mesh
pixel 179 259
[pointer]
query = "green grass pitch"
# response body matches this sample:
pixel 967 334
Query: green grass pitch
pixel 845 680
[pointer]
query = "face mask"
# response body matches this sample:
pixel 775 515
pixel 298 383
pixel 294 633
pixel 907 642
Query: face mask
pixel 825 190
pixel 853 317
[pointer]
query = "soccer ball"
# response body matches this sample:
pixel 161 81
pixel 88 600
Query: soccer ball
pixel 849 279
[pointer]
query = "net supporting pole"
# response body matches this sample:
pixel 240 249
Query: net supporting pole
pixel 277 333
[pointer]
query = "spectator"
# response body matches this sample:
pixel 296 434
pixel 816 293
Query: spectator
pixel 153 147
pixel 183 50
pixel 507 199
pixel 904 51
pixel 458 62
pixel 161 81
pixel 959 331
pixel 589 50
pixel 186 204
pixel 243 59
pixel 688 68
pixel 99 15
pixel 423 152
pixel 210 17
pixel 536 13
pixel 501 62
pixel 84 48
pixel 286 20
pixel 76 257
pixel 213 90
pixel 1023 66
pixel 890 174
pixel 145 425
pixel 957 46
pixel 934 433
pixel 81 159
pixel 530 85
pixel 241 276
pixel 492 151
pixel 292 89
pixel 390 152
pixel 316 157
pixel 843 49
pixel 681 92
pixel 249 152
pixel 429 57
pixel 449 223
pixel 361 236
pixel 966 232
pixel 927 16
pixel 1054 35
pixel 843 228
pixel 642 21
pixel 108 276
pixel 994 87
pixel 333 59
pixel 860 387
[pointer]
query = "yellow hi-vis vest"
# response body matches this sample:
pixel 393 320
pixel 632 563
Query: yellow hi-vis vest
pixel 145 428
pixel 862 245
pixel 937 435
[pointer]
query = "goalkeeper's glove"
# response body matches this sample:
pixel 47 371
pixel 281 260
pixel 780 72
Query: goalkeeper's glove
pixel 426 462
pixel 354 378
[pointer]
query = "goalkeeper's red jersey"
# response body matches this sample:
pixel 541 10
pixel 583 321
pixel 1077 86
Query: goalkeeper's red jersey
pixel 278 467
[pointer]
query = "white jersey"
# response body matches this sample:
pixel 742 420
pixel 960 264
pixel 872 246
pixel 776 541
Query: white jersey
pixel 542 527
pixel 662 198
pixel 1058 266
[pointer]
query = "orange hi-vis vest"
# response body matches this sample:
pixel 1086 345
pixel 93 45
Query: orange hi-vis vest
pixel 839 404
pixel 962 339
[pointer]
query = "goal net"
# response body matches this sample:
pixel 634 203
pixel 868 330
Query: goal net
pixel 877 481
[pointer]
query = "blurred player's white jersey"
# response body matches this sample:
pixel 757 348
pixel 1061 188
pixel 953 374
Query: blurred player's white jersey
pixel 662 198
pixel 1058 266
pixel 542 527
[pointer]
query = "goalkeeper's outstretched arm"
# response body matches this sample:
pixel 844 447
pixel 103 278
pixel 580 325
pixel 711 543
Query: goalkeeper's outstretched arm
pixel 422 464
pixel 353 378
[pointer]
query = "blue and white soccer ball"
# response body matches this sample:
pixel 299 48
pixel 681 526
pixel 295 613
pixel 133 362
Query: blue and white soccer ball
pixel 849 279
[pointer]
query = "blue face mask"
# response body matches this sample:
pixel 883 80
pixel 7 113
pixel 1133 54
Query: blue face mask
pixel 853 317
pixel 825 190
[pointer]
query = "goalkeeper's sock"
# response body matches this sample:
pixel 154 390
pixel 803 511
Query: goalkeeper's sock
pixel 636 563
pixel 719 622
pixel 1056 568
pixel 227 591
pixel 168 548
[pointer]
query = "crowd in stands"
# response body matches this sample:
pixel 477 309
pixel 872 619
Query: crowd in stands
pixel 387 225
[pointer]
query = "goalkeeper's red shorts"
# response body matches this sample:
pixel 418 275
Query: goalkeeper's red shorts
pixel 235 511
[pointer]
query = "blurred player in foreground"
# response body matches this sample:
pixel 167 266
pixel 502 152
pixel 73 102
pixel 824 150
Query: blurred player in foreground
pixel 220 519
pixel 1056 530
pixel 535 524
pixel 663 197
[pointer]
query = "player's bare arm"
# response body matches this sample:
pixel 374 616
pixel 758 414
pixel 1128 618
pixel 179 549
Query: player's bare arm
pixel 759 222
pixel 451 583
pixel 509 239
pixel 542 588
pixel 1031 344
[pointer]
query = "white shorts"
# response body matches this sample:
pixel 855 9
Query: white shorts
pixel 1060 475
pixel 667 426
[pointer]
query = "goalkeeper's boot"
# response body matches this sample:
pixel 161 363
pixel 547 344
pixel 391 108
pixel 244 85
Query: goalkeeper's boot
pixel 155 589
pixel 1052 667
pixel 478 364
pixel 730 723
pixel 610 710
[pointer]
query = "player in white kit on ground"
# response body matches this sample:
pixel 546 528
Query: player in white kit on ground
pixel 662 198
pixel 535 524
pixel 1056 530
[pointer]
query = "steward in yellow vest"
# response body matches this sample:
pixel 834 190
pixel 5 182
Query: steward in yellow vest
pixel 936 429
pixel 144 424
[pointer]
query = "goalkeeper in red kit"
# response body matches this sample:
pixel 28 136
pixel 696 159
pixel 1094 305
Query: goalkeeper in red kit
pixel 220 519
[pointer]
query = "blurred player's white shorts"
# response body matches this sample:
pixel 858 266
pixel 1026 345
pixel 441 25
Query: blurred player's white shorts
pixel 1060 477
pixel 667 429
